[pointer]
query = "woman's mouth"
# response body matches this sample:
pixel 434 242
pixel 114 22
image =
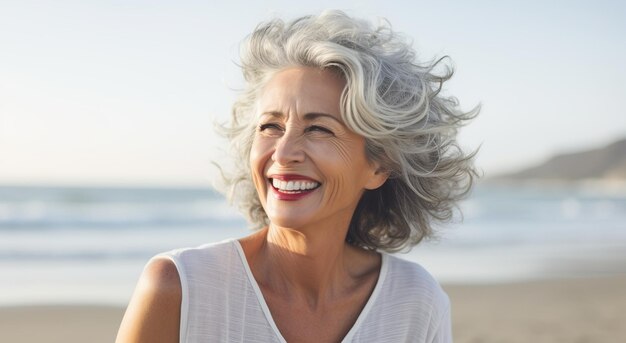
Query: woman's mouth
pixel 293 186
pixel 292 189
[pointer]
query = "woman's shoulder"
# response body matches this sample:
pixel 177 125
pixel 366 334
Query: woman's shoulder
pixel 207 264
pixel 410 305
pixel 153 313
pixel 409 269
pixel 410 279
pixel 211 254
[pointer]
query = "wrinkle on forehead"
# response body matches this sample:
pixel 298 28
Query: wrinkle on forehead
pixel 283 93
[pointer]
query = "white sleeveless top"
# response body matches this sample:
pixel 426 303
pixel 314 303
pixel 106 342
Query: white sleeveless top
pixel 222 302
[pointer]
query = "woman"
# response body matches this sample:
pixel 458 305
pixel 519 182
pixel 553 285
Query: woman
pixel 346 151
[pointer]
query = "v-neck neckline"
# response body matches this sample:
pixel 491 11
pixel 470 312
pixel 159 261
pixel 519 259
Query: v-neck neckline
pixel 268 315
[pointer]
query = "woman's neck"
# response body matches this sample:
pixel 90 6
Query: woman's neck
pixel 313 265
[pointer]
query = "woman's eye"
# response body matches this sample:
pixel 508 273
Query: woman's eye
pixel 316 128
pixel 269 127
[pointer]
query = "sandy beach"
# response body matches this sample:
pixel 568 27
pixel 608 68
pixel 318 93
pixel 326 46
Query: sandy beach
pixel 57 324
pixel 572 310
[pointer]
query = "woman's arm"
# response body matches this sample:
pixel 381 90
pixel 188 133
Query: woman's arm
pixel 153 314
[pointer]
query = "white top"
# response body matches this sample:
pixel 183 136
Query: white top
pixel 222 302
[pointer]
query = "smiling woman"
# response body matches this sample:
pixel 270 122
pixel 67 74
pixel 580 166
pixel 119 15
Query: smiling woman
pixel 346 151
pixel 301 139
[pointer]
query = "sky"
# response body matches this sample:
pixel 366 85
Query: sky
pixel 127 92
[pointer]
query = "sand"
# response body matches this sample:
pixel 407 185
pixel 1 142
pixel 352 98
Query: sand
pixel 57 324
pixel 573 311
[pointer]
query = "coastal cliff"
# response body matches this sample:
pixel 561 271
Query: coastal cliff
pixel 607 163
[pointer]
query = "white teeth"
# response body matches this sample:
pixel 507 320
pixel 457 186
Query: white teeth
pixel 293 185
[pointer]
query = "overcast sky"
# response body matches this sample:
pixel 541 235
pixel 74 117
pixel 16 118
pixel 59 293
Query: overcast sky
pixel 126 92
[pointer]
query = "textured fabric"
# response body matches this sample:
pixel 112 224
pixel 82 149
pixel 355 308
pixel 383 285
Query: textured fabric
pixel 221 301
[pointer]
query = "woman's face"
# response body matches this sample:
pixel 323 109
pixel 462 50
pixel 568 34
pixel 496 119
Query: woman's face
pixel 307 166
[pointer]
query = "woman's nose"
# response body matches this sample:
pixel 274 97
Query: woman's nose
pixel 288 149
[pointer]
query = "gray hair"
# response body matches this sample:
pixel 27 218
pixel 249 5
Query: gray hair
pixel 391 100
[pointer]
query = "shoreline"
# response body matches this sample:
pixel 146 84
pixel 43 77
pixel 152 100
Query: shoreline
pixel 555 310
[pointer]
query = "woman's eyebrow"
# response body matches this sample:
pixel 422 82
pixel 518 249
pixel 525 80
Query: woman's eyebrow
pixel 274 114
pixel 314 115
pixel 308 117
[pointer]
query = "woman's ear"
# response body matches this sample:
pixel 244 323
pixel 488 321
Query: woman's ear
pixel 378 178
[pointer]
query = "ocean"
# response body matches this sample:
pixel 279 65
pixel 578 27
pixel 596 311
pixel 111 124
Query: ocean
pixel 62 245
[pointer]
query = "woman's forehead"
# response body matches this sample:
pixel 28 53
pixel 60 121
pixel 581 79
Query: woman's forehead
pixel 303 90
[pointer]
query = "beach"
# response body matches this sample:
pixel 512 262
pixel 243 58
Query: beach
pixel 525 265
pixel 566 310
pixel 59 324
pixel 570 310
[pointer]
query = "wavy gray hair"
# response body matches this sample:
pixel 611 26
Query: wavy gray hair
pixel 390 99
